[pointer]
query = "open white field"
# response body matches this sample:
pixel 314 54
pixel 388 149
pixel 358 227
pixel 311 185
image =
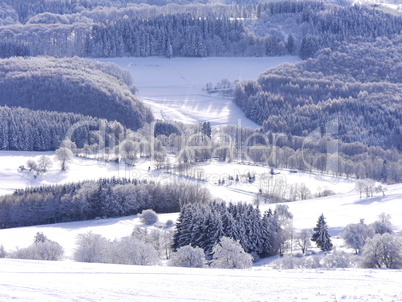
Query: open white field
pixel 69 281
pixel 173 88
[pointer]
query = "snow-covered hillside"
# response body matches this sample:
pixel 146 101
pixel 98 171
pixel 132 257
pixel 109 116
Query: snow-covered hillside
pixel 339 210
pixel 173 88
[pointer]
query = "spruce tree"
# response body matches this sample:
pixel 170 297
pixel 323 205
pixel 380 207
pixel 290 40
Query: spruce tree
pixel 321 236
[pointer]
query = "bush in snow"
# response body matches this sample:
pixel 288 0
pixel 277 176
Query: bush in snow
pixel 91 248
pixel 337 260
pixel 40 250
pixel 130 250
pixel 383 251
pixel 228 253
pixel 169 223
pixel 3 253
pixel 288 262
pixel 294 262
pixel 161 240
pixel 188 256
pixel 148 217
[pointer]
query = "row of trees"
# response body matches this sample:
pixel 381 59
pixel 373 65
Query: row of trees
pixel 91 199
pixel 23 129
pixel 186 30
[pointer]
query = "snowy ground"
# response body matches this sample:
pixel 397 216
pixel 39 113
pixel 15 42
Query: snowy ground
pixel 173 88
pixel 69 281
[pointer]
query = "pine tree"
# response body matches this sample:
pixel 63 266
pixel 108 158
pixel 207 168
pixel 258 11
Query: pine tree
pixel 321 236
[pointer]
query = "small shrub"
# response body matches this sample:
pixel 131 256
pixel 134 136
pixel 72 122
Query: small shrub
pixel 297 262
pixel 169 223
pixel 148 217
pixel 288 262
pixel 188 256
pixel 337 260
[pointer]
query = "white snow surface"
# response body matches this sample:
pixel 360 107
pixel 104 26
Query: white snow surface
pixel 173 88
pixel 23 280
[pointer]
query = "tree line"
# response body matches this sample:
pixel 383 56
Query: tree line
pixel 37 130
pixel 243 29
pixel 91 199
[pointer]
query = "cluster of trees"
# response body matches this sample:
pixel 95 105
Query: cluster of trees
pixel 124 28
pixel 23 129
pixel 375 246
pixel 92 199
pixel 72 85
pixel 362 95
pixel 356 86
pixel 328 27
pixel 259 235
pixel 41 249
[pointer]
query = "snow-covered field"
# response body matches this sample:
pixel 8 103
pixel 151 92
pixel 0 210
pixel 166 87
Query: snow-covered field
pixel 173 88
pixel 69 281
pixel 87 169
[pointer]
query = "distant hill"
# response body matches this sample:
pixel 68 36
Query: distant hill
pixel 72 85
pixel 359 84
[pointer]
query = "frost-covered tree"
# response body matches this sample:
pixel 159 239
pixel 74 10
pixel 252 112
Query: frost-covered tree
pixel 148 217
pixel 188 256
pixel 32 165
pixel 3 253
pixel 41 249
pixel 44 163
pixel 303 239
pixel 321 236
pixel 355 235
pixel 383 251
pixel 228 253
pixel 130 250
pixel 91 248
pixel 64 156
pixel 383 224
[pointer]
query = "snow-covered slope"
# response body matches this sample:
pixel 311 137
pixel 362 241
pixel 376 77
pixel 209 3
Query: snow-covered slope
pixel 173 88
pixel 339 211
